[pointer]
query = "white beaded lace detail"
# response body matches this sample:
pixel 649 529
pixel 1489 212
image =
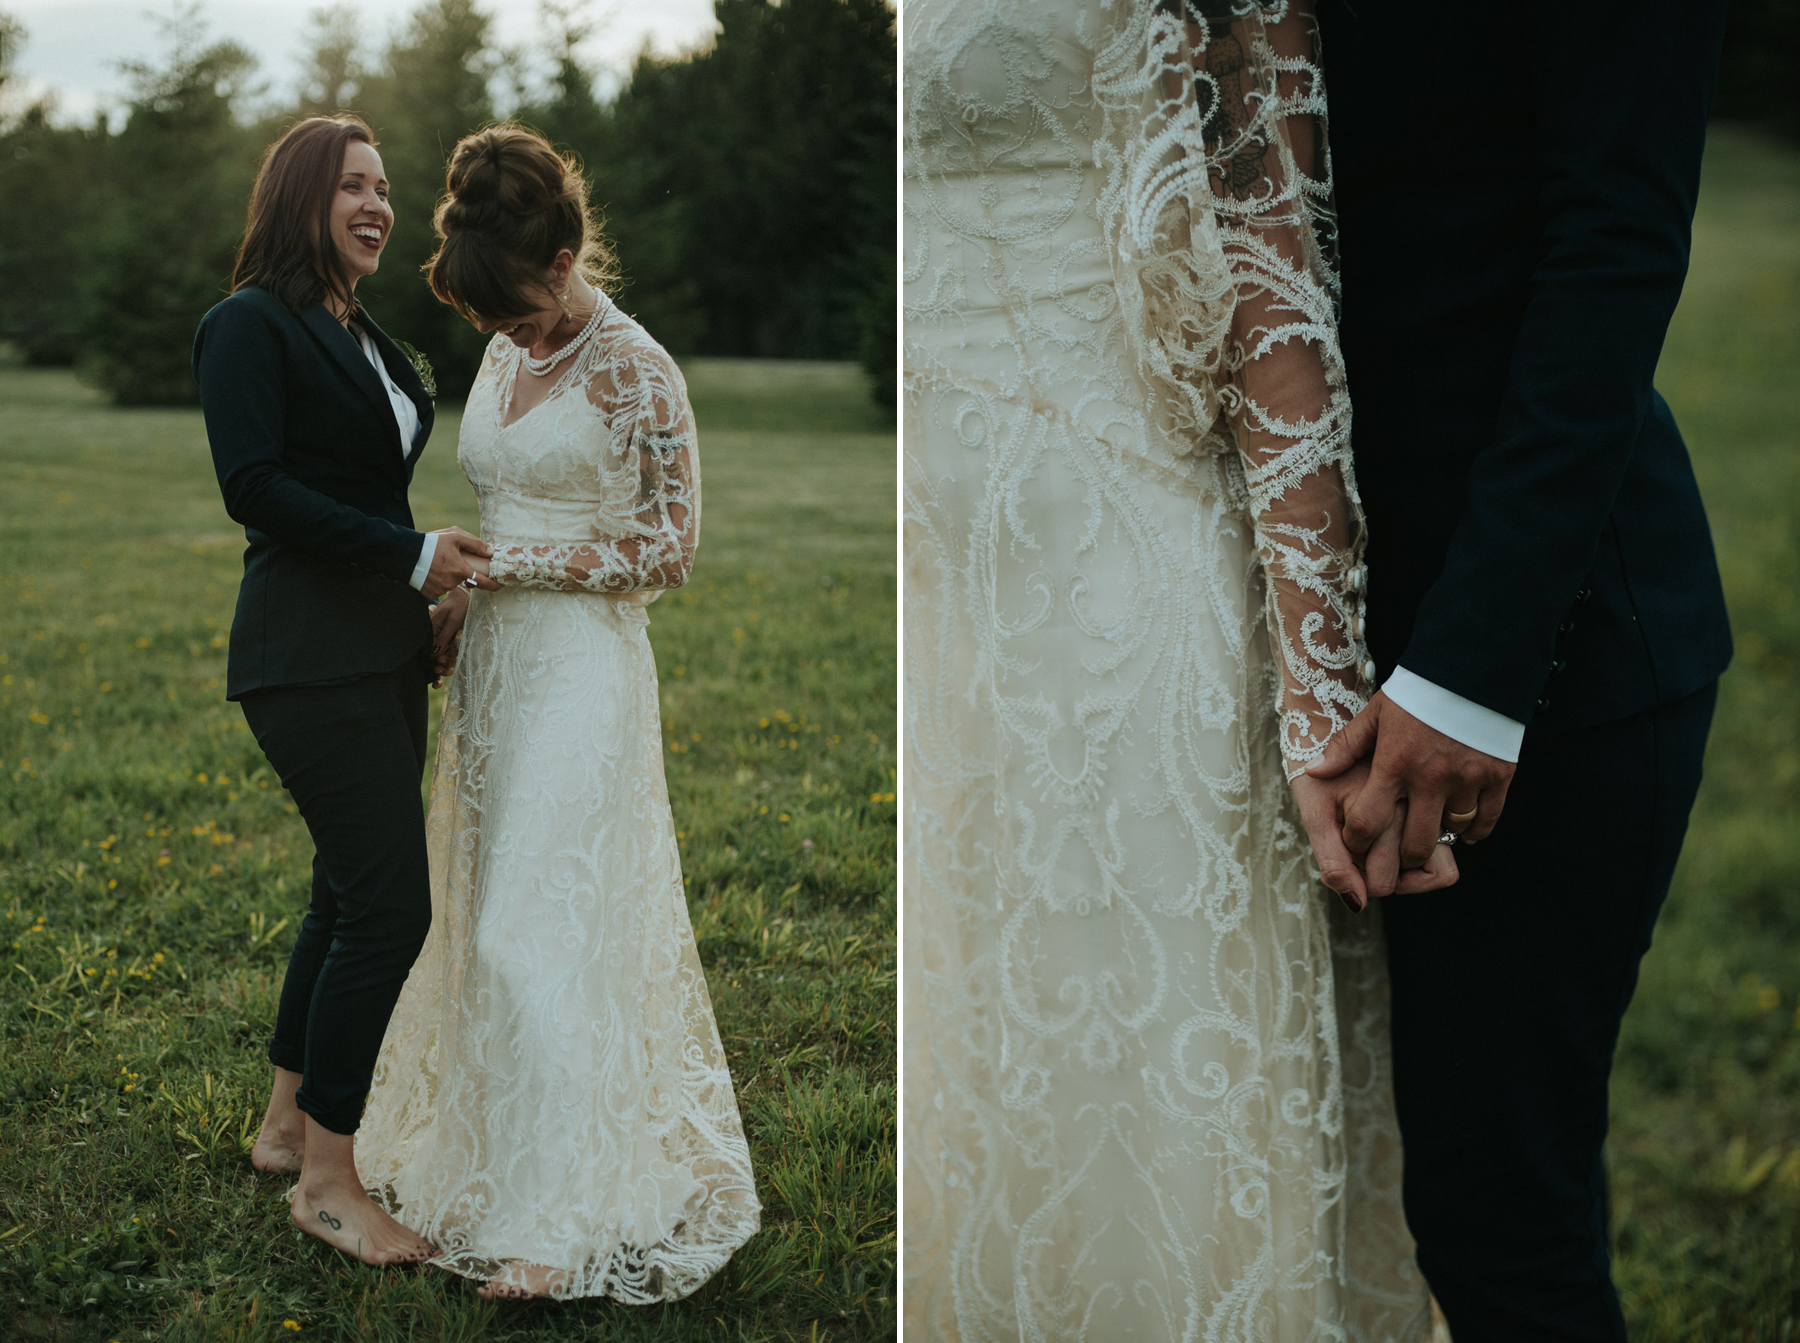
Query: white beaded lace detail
pixel 552 1106
pixel 1146 1064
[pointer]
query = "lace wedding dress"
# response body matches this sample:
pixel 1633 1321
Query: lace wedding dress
pixel 1147 1090
pixel 551 1106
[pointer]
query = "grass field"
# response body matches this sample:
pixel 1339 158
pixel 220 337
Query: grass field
pixel 152 873
pixel 1706 1098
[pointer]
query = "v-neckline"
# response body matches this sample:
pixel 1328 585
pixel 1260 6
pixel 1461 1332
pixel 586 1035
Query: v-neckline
pixel 512 391
pixel 556 387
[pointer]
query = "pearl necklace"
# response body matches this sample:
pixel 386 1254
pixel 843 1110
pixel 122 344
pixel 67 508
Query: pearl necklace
pixel 539 367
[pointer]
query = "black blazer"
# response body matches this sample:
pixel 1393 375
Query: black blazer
pixel 308 455
pixel 1515 186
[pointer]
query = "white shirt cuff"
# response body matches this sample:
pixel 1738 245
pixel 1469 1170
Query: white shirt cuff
pixel 1474 725
pixel 422 569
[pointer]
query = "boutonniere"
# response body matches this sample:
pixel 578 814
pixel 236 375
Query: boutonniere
pixel 421 366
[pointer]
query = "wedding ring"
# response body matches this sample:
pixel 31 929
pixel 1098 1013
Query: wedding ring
pixel 469 583
pixel 1448 837
pixel 1462 817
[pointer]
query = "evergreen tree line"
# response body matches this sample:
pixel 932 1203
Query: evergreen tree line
pixel 748 187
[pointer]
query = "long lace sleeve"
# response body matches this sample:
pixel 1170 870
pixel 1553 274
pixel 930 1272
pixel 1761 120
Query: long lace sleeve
pixel 652 482
pixel 1219 207
pixel 1286 397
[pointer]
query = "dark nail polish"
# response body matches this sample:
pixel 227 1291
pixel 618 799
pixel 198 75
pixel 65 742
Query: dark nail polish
pixel 1351 903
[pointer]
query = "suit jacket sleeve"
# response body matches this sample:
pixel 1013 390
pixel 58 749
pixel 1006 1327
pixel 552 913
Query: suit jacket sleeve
pixel 238 362
pixel 1620 94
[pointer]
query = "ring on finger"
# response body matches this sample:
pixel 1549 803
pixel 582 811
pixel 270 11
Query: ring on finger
pixel 1448 837
pixel 1458 820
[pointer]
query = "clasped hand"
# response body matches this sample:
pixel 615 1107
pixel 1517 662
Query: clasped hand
pixel 459 559
pixel 1375 803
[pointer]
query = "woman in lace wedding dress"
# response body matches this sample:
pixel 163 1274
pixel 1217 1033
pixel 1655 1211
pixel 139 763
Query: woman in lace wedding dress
pixel 552 1107
pixel 1147 1091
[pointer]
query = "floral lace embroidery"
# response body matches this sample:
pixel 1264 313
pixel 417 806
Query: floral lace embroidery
pixel 552 1105
pixel 1146 1065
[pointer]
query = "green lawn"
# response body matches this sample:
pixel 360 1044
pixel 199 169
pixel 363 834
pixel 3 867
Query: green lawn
pixel 1706 1098
pixel 152 872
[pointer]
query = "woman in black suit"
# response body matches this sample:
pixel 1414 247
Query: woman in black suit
pixel 316 420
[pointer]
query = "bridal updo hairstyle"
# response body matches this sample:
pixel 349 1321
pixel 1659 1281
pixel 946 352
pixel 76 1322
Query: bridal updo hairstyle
pixel 513 204
pixel 287 247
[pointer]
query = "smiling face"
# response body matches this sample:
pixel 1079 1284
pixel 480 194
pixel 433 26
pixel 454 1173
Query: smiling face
pixel 360 217
pixel 534 328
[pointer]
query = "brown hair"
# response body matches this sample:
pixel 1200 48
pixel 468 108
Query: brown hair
pixel 513 204
pixel 287 247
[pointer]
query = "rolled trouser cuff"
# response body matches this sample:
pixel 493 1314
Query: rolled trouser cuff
pixel 345 1119
pixel 287 1056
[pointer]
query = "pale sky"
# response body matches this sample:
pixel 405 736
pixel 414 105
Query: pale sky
pixel 73 47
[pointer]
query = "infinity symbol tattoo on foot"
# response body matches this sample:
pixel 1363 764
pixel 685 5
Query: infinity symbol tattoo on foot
pixel 330 1221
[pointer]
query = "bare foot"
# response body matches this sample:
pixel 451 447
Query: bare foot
pixel 279 1150
pixel 281 1146
pixel 341 1214
pixel 522 1282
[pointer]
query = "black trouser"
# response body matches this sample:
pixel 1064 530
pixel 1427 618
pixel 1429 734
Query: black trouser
pixel 351 754
pixel 1508 990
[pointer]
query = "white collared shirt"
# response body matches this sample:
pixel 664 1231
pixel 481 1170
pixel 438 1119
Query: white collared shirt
pixel 406 415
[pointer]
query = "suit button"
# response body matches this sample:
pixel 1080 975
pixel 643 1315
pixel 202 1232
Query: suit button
pixel 1543 703
pixel 1584 594
pixel 1557 666
pixel 1567 627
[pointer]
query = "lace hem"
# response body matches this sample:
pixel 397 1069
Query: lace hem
pixel 675 1266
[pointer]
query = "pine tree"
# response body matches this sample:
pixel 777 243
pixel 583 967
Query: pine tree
pixel 167 218
pixel 431 90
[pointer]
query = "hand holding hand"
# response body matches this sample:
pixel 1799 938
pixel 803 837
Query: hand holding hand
pixel 1323 803
pixel 446 633
pixel 1435 774
pixel 455 560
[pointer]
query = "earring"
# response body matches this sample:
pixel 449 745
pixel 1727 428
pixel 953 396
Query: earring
pixel 558 295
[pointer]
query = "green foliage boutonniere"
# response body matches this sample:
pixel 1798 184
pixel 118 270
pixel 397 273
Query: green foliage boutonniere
pixel 421 366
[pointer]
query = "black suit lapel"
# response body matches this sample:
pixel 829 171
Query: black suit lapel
pixel 343 347
pixel 406 378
